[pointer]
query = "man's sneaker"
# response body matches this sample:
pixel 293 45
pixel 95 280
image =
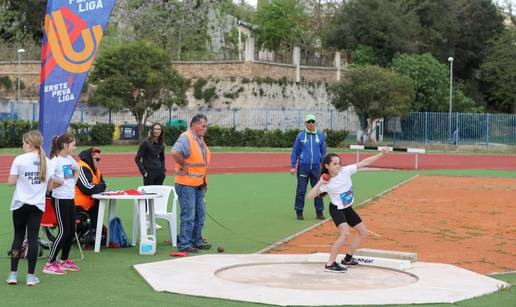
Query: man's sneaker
pixel 54 269
pixel 12 279
pixel 350 263
pixel 300 216
pixel 320 216
pixel 69 265
pixel 334 268
pixel 32 280
pixel 189 249
pixel 204 246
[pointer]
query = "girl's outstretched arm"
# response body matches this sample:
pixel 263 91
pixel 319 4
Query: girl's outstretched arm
pixel 370 160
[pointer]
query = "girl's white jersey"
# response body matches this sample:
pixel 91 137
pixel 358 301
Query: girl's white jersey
pixel 340 187
pixel 63 168
pixel 29 188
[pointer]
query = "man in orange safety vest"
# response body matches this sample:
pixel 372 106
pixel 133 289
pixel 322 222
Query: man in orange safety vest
pixel 192 159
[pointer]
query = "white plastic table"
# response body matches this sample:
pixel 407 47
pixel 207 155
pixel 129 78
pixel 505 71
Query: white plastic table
pixel 139 214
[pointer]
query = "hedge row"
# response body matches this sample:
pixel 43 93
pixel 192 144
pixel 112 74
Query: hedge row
pixel 102 134
pixel 98 134
pixel 11 132
pixel 219 136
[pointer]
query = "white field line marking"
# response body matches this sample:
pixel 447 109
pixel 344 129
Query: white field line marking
pixel 374 234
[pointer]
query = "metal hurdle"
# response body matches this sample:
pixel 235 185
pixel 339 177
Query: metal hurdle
pixel 417 151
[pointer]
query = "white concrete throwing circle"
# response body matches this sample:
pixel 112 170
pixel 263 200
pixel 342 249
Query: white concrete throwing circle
pixel 311 276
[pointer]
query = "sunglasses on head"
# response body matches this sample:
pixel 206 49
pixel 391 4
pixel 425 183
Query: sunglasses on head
pixel 97 159
pixel 311 121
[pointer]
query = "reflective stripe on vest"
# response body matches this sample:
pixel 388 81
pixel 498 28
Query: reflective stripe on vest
pixel 81 199
pixel 195 166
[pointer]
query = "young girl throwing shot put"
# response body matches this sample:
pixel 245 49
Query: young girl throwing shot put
pixel 340 190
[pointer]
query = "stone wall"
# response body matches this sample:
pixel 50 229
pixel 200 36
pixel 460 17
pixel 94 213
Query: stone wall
pixel 29 74
pixel 223 70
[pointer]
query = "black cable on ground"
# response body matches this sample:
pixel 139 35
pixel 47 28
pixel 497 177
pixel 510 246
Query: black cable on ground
pixel 234 232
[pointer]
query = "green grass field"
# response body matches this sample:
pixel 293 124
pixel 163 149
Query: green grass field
pixel 256 208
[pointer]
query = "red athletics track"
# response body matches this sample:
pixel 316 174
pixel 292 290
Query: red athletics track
pixel 122 164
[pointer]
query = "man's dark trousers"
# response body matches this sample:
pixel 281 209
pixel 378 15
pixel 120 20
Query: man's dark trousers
pixel 303 176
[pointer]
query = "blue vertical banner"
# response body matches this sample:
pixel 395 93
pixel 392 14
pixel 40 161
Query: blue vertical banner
pixel 72 36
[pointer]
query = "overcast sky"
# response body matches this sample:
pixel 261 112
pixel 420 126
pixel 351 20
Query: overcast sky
pixel 251 2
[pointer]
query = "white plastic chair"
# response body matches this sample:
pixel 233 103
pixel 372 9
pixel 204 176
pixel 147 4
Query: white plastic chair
pixel 161 207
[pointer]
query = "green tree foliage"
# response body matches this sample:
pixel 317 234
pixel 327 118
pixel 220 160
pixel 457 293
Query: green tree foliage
pixel 462 29
pixel 431 84
pixel 279 23
pixel 439 27
pixel 499 73
pixel 20 19
pixel 241 10
pixel 137 76
pixel 179 27
pixel 374 92
pixel 479 22
pixel 388 27
pixel 319 14
pixel 365 55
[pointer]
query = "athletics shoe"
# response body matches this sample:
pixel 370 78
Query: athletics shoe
pixel 13 278
pixel 189 249
pixel 69 265
pixel 203 246
pixel 350 263
pixel 334 268
pixel 54 269
pixel 32 280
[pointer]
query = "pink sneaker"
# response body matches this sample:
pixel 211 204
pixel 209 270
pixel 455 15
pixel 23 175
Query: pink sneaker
pixel 54 269
pixel 69 265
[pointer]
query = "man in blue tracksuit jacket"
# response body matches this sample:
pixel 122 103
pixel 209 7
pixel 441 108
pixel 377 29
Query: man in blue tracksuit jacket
pixel 309 149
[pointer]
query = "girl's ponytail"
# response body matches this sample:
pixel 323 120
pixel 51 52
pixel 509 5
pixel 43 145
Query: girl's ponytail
pixel 42 164
pixel 54 149
pixel 58 143
pixel 35 138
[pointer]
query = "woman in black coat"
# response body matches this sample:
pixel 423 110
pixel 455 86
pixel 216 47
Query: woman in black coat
pixel 150 157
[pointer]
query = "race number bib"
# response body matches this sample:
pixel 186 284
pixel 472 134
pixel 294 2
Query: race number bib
pixel 67 172
pixel 347 197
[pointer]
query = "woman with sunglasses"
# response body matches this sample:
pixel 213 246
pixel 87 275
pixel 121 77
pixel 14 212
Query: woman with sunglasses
pixel 150 157
pixel 90 182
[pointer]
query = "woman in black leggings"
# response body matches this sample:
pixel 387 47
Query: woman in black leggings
pixel 65 172
pixel 150 157
pixel 30 173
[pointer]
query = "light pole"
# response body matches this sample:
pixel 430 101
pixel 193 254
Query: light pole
pixel 20 52
pixel 450 59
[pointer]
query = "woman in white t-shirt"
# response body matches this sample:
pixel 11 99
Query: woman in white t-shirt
pixel 30 173
pixel 65 171
pixel 339 188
